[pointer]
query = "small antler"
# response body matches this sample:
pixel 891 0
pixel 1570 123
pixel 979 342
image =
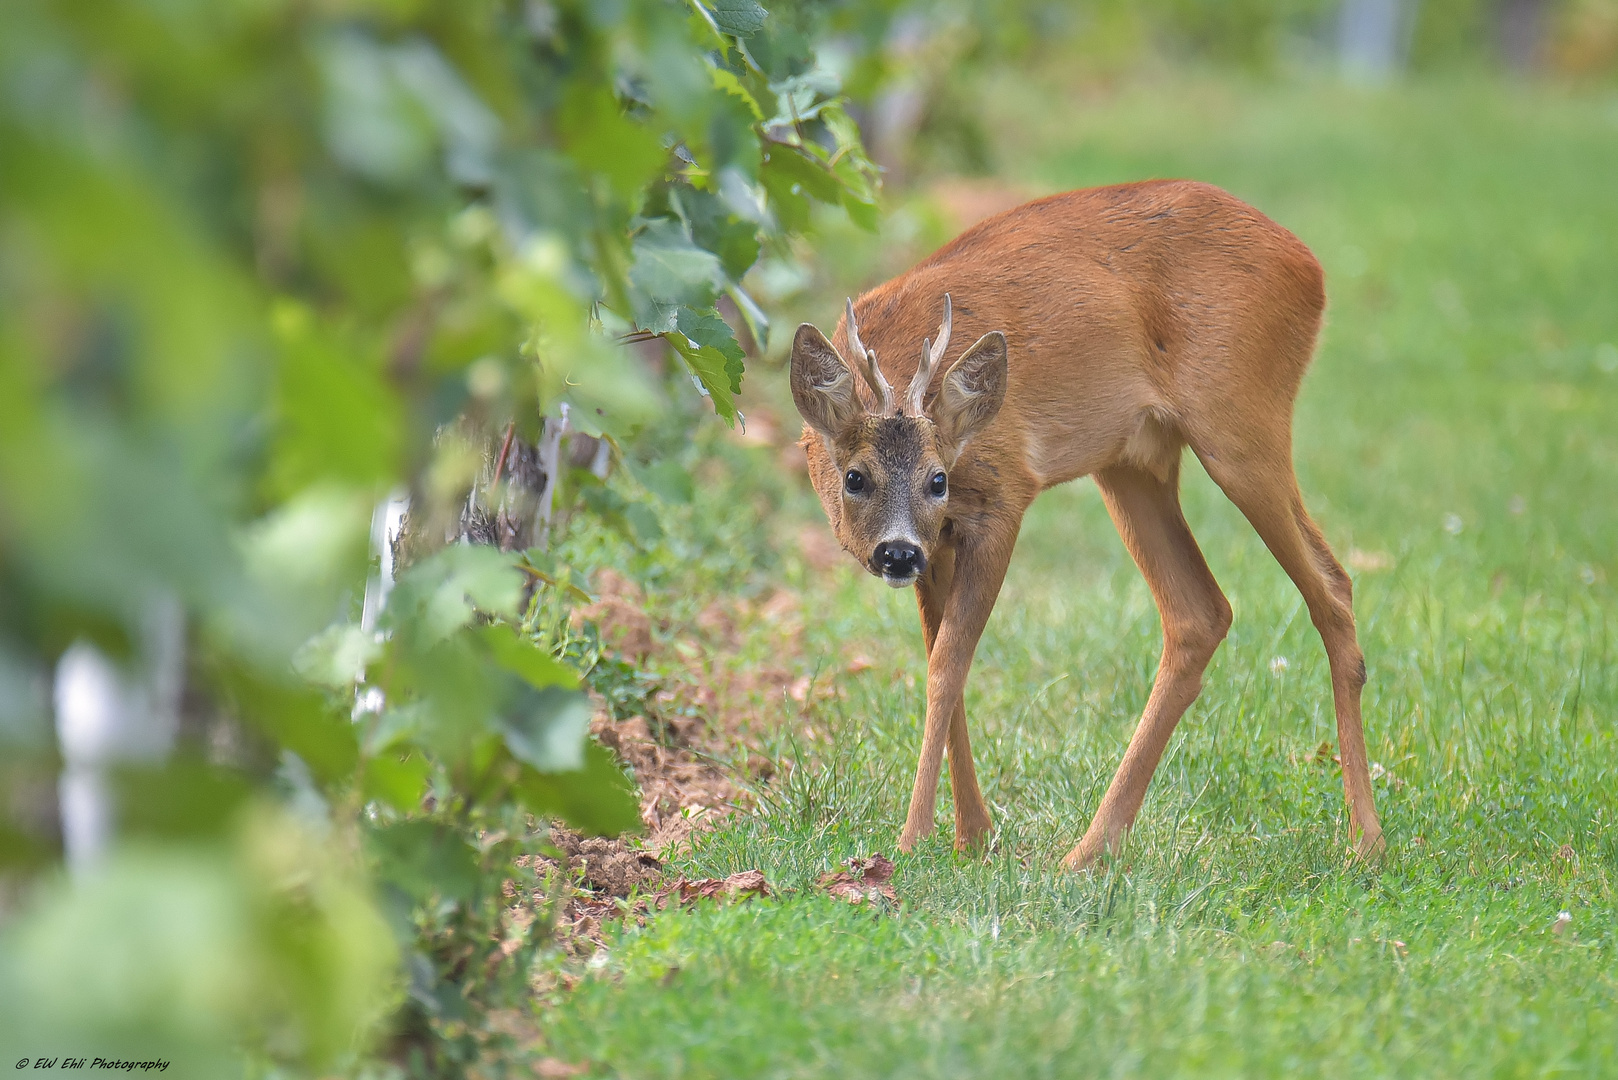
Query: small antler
pixel 866 364
pixel 931 354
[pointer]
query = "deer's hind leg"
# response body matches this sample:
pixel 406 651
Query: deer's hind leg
pixel 1146 509
pixel 1258 478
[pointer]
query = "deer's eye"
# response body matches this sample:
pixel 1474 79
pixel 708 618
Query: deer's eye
pixel 938 485
pixel 854 481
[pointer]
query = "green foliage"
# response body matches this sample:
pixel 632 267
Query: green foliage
pixel 281 945
pixel 254 259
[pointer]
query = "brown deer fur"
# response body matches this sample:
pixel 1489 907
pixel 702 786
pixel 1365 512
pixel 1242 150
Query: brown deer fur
pixel 1136 320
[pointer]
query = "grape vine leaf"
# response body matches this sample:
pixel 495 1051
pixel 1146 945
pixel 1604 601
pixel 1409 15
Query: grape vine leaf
pixel 738 17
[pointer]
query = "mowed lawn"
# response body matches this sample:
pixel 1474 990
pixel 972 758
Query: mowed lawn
pixel 1458 441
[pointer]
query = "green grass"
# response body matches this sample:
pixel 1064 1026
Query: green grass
pixel 1462 419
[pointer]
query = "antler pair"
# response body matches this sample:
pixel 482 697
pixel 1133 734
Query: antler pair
pixel 871 372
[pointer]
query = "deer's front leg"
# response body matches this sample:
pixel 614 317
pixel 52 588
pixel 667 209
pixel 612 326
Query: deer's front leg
pixel 972 821
pixel 979 569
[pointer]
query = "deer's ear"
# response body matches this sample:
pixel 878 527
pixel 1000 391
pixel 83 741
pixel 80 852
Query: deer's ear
pixel 974 389
pixel 822 385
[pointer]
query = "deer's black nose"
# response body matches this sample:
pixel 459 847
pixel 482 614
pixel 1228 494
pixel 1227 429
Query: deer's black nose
pixel 898 559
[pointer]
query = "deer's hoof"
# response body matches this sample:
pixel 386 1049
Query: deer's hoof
pixel 1371 846
pixel 910 836
pixel 973 845
pixel 973 839
pixel 1080 858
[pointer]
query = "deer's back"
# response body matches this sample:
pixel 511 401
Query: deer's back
pixel 1165 302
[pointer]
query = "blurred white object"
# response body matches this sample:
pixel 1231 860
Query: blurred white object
pixel 105 717
pixel 550 448
pixel 386 523
pixel 1373 37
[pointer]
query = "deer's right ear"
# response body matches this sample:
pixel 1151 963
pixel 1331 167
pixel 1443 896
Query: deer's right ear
pixel 822 385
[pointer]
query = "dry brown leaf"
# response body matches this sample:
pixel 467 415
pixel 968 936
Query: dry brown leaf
pixel 865 880
pixel 740 886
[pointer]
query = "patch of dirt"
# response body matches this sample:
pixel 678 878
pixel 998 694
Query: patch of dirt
pixel 692 756
pixel 738 668
pixel 731 674
pixel 606 866
pixel 608 880
pixel 620 614
pixel 681 790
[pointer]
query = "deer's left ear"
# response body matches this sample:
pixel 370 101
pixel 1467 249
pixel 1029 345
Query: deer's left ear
pixel 974 389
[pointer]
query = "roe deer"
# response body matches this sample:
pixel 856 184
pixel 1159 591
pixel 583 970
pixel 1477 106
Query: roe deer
pixel 1112 328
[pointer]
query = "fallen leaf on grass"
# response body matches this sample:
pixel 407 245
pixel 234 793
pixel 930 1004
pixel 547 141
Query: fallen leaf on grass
pixel 742 886
pixel 582 917
pixel 865 879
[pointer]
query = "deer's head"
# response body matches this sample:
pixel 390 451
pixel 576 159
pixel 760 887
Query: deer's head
pixel 893 455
